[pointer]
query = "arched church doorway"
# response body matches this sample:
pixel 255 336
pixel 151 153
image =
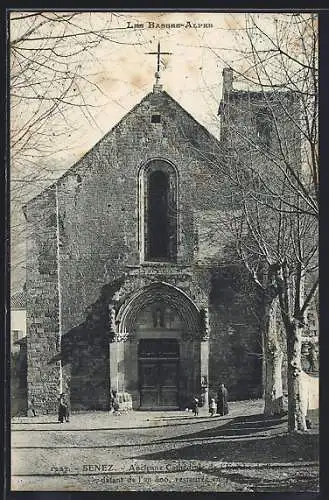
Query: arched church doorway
pixel 158 354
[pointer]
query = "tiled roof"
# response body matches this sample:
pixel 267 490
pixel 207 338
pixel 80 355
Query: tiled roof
pixel 18 300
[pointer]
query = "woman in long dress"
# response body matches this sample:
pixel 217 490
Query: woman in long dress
pixel 222 397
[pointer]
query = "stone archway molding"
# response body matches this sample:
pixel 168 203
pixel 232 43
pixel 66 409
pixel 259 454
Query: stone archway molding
pixel 172 296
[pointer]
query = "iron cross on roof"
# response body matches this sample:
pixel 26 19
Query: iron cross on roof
pixel 158 54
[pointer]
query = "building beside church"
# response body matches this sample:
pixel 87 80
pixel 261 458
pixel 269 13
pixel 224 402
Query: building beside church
pixel 18 358
pixel 133 282
pixel 17 318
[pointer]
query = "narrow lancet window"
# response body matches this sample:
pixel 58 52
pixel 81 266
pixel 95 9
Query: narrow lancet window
pixel 159 212
pixel 158 222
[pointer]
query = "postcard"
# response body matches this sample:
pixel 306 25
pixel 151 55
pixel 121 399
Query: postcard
pixel 164 251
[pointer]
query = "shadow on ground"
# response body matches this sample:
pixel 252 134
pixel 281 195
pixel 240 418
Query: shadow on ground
pixel 274 444
pixel 235 428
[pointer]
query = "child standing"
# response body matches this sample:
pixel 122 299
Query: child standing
pixel 195 406
pixel 212 407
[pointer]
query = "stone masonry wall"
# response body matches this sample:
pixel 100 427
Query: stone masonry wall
pixel 235 339
pixel 241 135
pixel 42 303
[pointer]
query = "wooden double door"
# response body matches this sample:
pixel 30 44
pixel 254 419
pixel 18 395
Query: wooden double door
pixel 158 373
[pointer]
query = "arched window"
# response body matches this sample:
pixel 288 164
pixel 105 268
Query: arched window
pixel 158 216
pixel 158 206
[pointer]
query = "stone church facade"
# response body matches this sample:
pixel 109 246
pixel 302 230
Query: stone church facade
pixel 133 283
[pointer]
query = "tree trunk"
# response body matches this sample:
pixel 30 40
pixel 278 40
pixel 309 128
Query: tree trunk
pixel 273 360
pixel 296 412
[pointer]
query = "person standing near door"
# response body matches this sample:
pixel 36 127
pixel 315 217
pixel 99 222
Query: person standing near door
pixel 212 407
pixel 195 406
pixel 63 409
pixel 222 398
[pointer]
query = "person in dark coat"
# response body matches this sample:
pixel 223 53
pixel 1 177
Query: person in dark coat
pixel 63 409
pixel 222 397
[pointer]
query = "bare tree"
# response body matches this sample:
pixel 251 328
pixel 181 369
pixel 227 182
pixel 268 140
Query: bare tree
pixel 279 248
pixel 275 181
pixel 51 94
pixel 48 55
pixel 269 154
